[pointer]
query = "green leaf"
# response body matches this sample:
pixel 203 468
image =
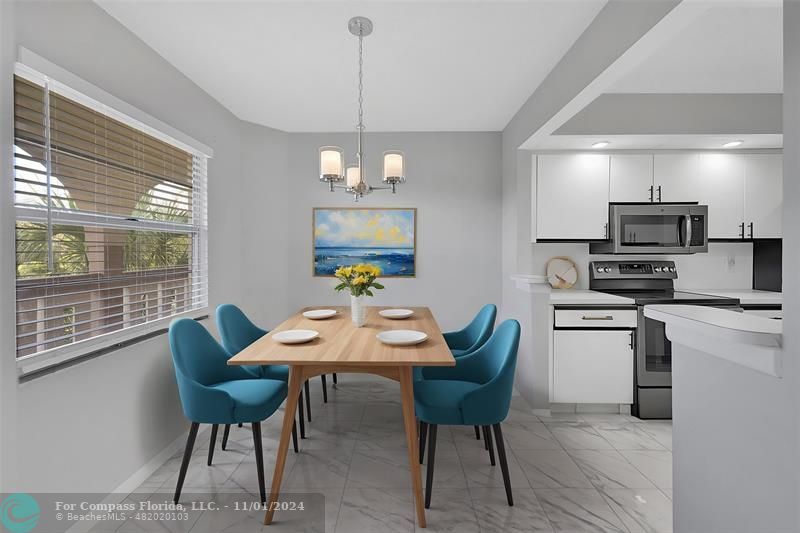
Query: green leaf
pixel 369 293
pixel 377 285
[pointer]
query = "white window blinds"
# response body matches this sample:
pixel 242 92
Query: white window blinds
pixel 111 225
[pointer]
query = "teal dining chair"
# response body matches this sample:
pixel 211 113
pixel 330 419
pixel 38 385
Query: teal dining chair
pixel 237 333
pixel 476 392
pixel 213 392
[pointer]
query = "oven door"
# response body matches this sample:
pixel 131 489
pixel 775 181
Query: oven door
pixel 652 229
pixel 653 353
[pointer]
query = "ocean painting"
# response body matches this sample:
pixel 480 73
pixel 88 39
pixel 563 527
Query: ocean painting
pixel 383 237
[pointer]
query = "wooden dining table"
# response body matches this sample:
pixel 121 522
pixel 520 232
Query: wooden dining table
pixel 341 347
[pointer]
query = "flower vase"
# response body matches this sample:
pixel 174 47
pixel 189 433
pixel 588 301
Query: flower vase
pixel 358 311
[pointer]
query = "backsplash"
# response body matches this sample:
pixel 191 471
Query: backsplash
pixel 727 265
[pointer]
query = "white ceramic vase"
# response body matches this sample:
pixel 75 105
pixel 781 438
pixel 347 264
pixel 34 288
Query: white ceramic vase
pixel 358 311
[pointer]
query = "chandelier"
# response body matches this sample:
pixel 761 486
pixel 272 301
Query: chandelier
pixel 332 169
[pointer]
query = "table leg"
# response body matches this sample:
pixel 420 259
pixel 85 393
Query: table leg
pixel 295 382
pixel 407 393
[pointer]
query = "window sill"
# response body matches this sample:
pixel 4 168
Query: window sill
pixel 35 365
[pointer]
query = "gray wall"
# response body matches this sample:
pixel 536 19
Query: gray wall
pixel 453 181
pixel 91 426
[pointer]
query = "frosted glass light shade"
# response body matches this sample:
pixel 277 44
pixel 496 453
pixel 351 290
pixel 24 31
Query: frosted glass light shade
pixel 352 175
pixel 331 163
pixel 394 166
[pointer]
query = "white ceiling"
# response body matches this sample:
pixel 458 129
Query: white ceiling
pixel 659 142
pixel 735 47
pixel 429 66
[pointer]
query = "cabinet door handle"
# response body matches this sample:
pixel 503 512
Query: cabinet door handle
pixel 605 229
pixel 751 230
pixel 606 317
pixel 631 344
pixel 741 230
pixel 651 193
pixel 659 193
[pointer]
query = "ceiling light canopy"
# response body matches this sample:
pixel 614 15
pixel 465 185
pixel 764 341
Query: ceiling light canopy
pixel 600 144
pixel 732 144
pixel 332 169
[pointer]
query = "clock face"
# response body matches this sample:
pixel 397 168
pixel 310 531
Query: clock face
pixel 561 273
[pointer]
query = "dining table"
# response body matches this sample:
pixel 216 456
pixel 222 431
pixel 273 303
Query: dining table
pixel 343 347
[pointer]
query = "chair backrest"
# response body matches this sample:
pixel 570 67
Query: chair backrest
pixel 198 356
pixel 498 356
pixel 235 329
pixel 480 329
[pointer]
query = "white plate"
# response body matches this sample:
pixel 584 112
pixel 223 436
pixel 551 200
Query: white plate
pixel 295 336
pixel 402 337
pixel 319 314
pixel 396 314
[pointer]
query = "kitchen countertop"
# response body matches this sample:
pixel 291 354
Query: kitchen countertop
pixel 745 296
pixel 586 297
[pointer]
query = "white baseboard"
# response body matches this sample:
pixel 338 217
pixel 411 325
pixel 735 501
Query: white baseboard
pixel 133 482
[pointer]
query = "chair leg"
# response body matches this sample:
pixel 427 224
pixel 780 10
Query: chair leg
pixel 431 457
pixel 225 435
pixel 212 444
pixel 259 460
pixel 300 413
pixel 423 433
pixel 294 437
pixel 488 435
pixel 187 455
pixel 501 453
pixel 485 438
pixel 335 380
pixel 324 389
pixel 240 424
pixel 308 400
pixel 478 432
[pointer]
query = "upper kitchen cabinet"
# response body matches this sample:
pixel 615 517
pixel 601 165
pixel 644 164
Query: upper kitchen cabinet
pixel 631 178
pixel 716 180
pixel 571 196
pixel 763 195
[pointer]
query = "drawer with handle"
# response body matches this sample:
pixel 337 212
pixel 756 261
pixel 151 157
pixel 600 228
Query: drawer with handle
pixel 595 318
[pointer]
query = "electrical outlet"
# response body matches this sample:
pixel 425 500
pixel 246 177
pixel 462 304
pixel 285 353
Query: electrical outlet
pixel 731 263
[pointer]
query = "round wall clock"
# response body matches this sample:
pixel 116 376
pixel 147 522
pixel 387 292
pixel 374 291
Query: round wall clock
pixel 562 273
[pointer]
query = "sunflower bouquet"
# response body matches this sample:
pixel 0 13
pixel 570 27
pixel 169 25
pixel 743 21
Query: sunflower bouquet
pixel 358 279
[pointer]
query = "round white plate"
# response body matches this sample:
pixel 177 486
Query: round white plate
pixel 319 314
pixel 295 336
pixel 401 337
pixel 396 314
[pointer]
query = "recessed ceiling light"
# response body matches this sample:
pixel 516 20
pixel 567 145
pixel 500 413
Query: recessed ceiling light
pixel 601 144
pixel 732 144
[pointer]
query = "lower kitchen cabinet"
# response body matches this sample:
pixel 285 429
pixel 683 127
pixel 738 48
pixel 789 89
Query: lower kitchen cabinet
pixel 591 366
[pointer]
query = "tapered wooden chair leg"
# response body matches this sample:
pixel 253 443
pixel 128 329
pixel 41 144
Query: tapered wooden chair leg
pixel 300 413
pixel 324 389
pixel 225 435
pixel 431 458
pixel 187 455
pixel 477 432
pixel 423 432
pixel 212 444
pixel 501 453
pixel 488 434
pixel 259 460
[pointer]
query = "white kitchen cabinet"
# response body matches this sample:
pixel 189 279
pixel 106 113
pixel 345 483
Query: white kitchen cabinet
pixel 763 195
pixel 571 196
pixel 592 366
pixel 716 180
pixel 631 178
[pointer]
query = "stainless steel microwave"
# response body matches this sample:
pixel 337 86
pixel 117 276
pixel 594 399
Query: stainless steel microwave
pixel 674 228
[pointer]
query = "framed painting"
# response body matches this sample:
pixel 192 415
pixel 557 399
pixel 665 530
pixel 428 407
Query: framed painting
pixel 385 237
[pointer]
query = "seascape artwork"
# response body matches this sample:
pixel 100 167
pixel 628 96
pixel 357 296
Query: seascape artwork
pixel 348 236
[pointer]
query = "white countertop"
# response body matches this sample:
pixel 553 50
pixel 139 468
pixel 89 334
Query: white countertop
pixel 586 297
pixel 748 340
pixel 745 296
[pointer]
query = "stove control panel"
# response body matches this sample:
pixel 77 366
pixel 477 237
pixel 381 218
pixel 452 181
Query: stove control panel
pixel 633 270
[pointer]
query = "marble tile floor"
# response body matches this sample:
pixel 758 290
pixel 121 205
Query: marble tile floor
pixel 572 474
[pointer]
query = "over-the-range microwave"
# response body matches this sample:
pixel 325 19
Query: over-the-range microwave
pixel 662 228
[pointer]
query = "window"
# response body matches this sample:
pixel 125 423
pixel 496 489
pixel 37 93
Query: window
pixel 110 224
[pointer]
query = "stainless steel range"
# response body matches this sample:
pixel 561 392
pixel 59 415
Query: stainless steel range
pixel 650 282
